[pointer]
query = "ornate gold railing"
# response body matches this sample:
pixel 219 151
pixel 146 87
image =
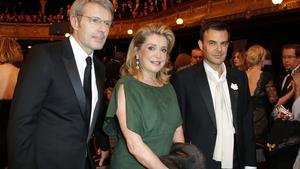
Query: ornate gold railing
pixel 193 14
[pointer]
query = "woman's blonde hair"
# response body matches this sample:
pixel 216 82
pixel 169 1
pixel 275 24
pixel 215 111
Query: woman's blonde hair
pixel 10 51
pixel 256 55
pixel 129 67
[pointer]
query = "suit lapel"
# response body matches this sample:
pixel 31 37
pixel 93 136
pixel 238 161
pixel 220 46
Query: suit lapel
pixel 99 73
pixel 233 92
pixel 202 82
pixel 71 68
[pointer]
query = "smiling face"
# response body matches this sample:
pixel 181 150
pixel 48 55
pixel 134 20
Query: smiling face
pixel 152 54
pixel 89 31
pixel 214 45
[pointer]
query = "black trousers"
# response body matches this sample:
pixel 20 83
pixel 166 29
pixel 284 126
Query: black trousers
pixel 284 158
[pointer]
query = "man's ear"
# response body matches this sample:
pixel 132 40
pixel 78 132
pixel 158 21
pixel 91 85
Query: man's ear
pixel 200 44
pixel 74 22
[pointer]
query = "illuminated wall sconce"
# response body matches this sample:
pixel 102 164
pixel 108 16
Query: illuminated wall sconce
pixel 277 2
pixel 129 32
pixel 179 21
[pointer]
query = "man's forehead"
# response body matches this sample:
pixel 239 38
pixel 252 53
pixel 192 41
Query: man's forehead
pixel 289 51
pixel 212 34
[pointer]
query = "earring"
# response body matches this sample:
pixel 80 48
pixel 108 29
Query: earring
pixel 137 61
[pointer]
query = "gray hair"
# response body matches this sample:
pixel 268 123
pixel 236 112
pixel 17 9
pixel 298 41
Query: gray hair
pixel 78 5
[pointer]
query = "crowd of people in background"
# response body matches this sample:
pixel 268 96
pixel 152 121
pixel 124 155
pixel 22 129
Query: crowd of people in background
pixel 123 10
pixel 276 123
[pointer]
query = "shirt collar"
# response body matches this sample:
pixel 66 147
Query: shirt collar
pixel 211 72
pixel 77 49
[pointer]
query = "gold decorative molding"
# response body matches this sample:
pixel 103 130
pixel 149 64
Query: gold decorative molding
pixel 193 13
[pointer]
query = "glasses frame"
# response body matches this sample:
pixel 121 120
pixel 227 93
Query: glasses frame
pixel 97 20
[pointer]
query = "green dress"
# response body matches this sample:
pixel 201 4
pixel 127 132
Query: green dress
pixel 152 112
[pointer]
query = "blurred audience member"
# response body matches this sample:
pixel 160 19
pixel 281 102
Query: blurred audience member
pixel 238 60
pixel 182 60
pixel 196 56
pixel 10 53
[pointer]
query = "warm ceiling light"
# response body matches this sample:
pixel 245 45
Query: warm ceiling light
pixel 276 2
pixel 129 31
pixel 179 21
pixel 29 47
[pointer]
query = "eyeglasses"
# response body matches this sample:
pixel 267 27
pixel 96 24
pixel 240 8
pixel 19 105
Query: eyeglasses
pixel 97 21
pixel 289 57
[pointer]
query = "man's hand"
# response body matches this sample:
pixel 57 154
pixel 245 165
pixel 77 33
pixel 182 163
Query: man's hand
pixel 103 155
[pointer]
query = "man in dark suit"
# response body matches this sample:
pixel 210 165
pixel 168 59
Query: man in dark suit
pixel 290 62
pixel 215 104
pixel 52 115
pixel 283 140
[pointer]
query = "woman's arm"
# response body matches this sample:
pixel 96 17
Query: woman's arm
pixel 134 142
pixel 282 100
pixel 178 135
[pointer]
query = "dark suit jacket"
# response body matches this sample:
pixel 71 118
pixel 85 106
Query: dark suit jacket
pixel 199 122
pixel 286 88
pixel 48 128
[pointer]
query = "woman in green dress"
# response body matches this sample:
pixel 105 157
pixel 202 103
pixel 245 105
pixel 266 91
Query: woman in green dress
pixel 143 113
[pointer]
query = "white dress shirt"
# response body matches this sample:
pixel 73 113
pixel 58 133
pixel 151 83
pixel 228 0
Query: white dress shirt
pixel 211 72
pixel 80 56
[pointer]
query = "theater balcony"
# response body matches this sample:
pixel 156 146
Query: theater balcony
pixel 239 13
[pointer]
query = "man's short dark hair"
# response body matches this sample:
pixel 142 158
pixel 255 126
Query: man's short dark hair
pixel 215 25
pixel 290 46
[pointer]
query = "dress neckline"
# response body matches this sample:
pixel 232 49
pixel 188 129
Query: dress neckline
pixel 145 84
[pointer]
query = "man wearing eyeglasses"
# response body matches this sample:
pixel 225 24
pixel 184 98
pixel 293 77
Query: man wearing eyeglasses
pixel 284 139
pixel 59 96
pixel 286 88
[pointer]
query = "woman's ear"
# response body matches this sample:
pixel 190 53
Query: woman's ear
pixel 136 52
